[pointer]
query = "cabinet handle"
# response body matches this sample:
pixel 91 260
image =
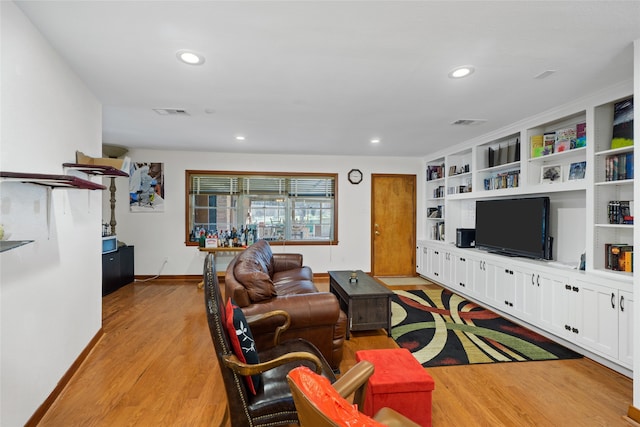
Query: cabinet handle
pixel 575 330
pixel 621 302
pixel 613 300
pixel 538 279
pixel 575 289
pixel 533 283
pixel 567 287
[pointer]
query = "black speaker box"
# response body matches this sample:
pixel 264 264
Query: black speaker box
pixel 465 237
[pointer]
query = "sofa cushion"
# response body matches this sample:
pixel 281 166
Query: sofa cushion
pixel 253 275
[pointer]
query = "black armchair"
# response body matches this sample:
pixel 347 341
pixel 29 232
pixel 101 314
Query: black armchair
pixel 272 404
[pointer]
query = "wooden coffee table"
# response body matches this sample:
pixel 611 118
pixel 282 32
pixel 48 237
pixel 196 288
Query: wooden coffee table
pixel 367 302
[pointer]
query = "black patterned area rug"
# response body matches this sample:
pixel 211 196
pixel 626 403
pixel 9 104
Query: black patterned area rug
pixel 441 328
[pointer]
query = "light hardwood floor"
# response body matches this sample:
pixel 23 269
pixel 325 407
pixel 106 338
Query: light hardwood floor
pixel 155 366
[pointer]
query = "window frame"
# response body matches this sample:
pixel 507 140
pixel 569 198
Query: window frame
pixel 189 173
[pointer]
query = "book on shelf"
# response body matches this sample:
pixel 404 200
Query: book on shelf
pixel 548 142
pixel 502 155
pixel 513 151
pixel 565 139
pixel 619 167
pixel 581 135
pixel 622 124
pixel 502 180
pixel 620 211
pixel 437 231
pixel 537 146
pixel 618 257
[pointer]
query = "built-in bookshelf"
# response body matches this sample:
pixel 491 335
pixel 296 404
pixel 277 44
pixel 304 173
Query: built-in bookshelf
pixel 613 184
pixel 584 295
pixel 580 172
pixel 436 190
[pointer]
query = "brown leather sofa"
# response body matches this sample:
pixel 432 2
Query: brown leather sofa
pixel 260 281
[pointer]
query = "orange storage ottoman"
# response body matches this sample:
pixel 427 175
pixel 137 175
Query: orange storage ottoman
pixel 399 382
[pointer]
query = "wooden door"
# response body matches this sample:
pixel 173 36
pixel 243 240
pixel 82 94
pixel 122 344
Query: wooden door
pixel 393 225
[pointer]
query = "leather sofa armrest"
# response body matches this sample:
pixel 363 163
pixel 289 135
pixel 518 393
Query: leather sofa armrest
pixel 305 310
pixel 282 262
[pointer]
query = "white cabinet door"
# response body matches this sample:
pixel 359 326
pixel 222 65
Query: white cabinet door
pixel 553 303
pixel 419 265
pixel 494 294
pixel 462 278
pixel 527 291
pixel 479 277
pixel 595 316
pixel 448 266
pixel 435 264
pixel 505 292
pixel 625 325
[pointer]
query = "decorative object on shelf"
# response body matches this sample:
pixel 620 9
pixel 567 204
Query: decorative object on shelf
pixel 146 187
pixel 551 174
pixel 353 278
pixel 565 139
pixel 577 170
pixel 435 172
pixel 618 257
pixel 622 124
pixel 355 176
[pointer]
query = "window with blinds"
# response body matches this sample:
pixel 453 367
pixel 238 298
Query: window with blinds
pixel 279 207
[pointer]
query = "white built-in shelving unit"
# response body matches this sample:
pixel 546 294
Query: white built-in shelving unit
pixel 589 310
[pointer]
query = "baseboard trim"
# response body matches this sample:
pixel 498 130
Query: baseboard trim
pixel 633 415
pixel 42 410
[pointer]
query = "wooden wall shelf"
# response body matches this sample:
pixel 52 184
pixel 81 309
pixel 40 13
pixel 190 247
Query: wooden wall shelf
pixel 52 181
pixel 95 169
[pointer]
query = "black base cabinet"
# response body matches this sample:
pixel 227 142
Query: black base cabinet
pixel 117 269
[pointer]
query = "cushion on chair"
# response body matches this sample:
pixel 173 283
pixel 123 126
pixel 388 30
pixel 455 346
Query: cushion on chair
pixel 242 341
pixel 319 390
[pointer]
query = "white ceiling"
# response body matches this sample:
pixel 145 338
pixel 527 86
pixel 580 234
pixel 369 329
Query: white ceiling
pixel 324 77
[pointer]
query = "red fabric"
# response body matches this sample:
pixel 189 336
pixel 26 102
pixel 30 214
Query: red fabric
pixel 236 325
pixel 328 401
pixel 399 382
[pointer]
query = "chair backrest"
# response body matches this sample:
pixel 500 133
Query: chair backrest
pixel 237 395
pixel 320 405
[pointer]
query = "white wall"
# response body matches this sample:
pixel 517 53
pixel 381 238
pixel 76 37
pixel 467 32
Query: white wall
pixel 159 235
pixel 50 290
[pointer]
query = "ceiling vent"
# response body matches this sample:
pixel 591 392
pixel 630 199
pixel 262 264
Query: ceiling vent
pixel 468 122
pixel 171 111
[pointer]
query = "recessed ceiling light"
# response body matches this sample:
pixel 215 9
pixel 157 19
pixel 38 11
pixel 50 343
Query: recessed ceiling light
pixel 240 138
pixel 460 72
pixel 375 140
pixel 190 57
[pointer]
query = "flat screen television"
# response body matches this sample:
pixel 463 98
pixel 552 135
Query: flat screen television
pixel 515 227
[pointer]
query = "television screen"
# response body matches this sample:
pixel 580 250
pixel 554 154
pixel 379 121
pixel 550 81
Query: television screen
pixel 513 226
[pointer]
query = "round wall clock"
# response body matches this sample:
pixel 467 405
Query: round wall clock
pixel 355 176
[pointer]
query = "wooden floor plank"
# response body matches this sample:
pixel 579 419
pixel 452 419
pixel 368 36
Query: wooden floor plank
pixel 155 366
